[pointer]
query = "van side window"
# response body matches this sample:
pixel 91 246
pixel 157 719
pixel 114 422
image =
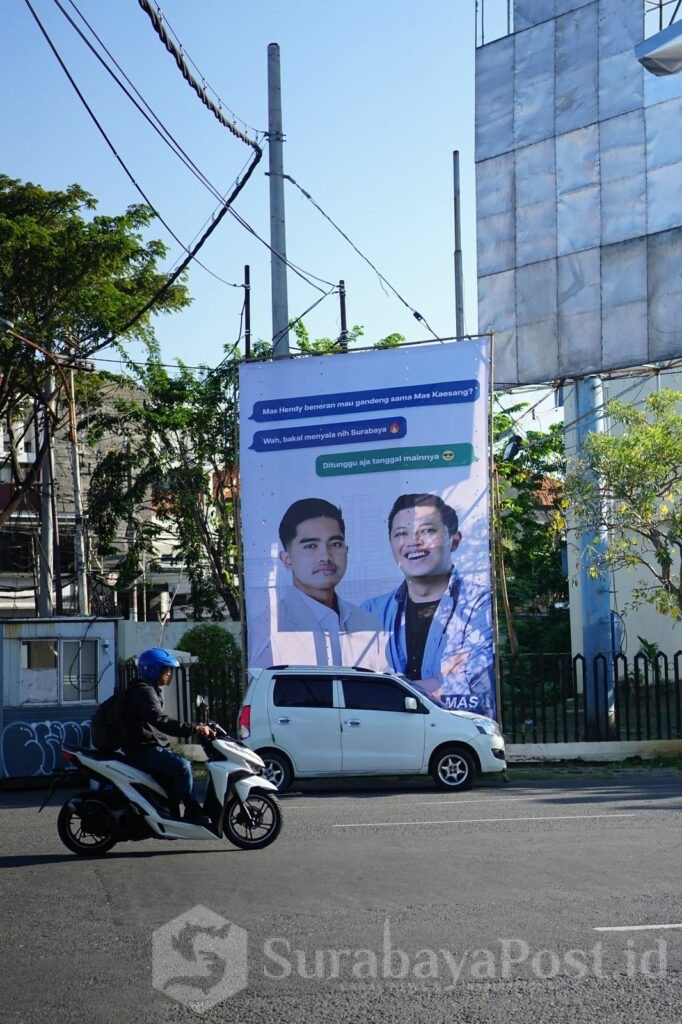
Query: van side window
pixel 303 692
pixel 372 694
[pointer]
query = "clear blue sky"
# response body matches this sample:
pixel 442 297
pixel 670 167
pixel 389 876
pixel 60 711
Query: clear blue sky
pixel 376 95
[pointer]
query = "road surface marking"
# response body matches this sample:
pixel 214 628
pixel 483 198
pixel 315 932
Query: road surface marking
pixel 480 821
pixel 637 927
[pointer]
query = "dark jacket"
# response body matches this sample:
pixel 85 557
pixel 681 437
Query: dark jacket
pixel 145 721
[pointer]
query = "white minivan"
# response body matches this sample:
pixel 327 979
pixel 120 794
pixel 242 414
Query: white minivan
pixel 307 721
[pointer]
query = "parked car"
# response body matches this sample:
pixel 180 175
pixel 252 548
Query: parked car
pixel 308 721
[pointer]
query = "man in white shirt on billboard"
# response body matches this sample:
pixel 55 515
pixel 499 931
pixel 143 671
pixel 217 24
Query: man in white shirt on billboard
pixel 309 623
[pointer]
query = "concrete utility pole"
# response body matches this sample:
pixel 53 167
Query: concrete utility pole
pixel 459 278
pixel 278 242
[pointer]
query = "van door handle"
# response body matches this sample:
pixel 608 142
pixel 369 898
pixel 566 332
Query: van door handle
pixel 283 721
pixel 353 721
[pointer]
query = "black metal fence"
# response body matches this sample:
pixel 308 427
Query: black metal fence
pixel 545 698
pixel 205 692
pixel 556 698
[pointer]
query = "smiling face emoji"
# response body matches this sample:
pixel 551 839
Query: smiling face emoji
pixel 421 544
pixel 317 556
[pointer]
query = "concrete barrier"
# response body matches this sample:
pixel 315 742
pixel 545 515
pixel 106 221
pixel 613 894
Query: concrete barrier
pixel 606 751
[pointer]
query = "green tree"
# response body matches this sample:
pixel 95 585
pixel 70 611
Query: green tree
pixel 210 644
pixel 326 346
pixel 71 281
pixel 178 471
pixel 530 530
pixel 175 473
pixel 629 483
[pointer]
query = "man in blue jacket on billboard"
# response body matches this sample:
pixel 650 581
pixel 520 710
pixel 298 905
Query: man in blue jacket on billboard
pixel 439 625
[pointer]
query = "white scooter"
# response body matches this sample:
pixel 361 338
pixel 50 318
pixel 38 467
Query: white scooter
pixel 124 803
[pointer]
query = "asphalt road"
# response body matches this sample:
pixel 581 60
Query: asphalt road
pixel 392 903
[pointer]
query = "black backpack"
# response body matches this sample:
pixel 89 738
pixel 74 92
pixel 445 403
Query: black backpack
pixel 107 727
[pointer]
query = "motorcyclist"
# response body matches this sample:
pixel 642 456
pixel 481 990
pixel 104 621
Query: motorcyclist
pixel 147 728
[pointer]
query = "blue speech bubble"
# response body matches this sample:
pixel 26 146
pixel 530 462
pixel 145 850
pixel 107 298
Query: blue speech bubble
pixel 354 432
pixel 348 402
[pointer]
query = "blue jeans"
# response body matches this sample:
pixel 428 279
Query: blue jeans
pixel 171 770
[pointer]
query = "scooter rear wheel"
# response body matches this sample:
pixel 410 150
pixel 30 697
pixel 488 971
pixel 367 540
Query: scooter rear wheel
pixel 254 825
pixel 83 826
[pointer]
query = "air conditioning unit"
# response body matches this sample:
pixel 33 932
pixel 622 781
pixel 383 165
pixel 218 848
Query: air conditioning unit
pixel 662 54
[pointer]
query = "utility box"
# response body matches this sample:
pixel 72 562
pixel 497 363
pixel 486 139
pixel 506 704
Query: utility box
pixel 53 673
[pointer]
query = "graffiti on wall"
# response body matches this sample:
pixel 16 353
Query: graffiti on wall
pixel 33 748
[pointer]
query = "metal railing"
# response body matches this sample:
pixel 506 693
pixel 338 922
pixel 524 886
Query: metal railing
pixel 545 698
pixel 494 19
pixel 660 14
pixel 556 698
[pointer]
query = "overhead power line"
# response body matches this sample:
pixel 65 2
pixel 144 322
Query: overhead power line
pixel 153 119
pixel 417 315
pixel 204 237
pixel 157 18
pixel 169 139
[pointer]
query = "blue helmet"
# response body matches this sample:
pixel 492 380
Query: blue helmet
pixel 151 663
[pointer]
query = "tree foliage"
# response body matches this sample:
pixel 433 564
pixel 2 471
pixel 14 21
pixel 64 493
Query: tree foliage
pixel 71 281
pixel 211 644
pixel 175 473
pixel 629 483
pixel 530 529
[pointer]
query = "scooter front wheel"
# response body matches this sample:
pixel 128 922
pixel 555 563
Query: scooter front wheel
pixel 254 824
pixel 85 827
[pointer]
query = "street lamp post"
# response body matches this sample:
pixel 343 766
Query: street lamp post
pixel 79 540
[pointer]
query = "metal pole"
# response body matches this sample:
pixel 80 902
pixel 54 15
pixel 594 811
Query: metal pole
pixel 247 311
pixel 130 536
pixel 57 554
pixel 459 280
pixel 343 337
pixel 278 268
pixel 79 536
pixel 46 563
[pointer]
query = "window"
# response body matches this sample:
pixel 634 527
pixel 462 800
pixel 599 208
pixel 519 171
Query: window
pixel 302 692
pixel 79 672
pixel 367 693
pixel 39 671
pixel 58 673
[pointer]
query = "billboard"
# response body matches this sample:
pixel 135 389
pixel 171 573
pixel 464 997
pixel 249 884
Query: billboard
pixel 364 483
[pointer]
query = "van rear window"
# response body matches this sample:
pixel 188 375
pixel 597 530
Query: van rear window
pixel 302 692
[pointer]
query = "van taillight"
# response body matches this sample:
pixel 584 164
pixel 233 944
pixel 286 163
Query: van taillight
pixel 68 756
pixel 244 722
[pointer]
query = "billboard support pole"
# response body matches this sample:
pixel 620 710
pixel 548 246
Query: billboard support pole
pixel 343 337
pixel 278 267
pixel 459 279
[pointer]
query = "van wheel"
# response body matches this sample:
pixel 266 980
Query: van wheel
pixel 277 769
pixel 453 768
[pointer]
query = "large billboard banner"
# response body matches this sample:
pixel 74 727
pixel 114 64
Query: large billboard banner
pixel 364 484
